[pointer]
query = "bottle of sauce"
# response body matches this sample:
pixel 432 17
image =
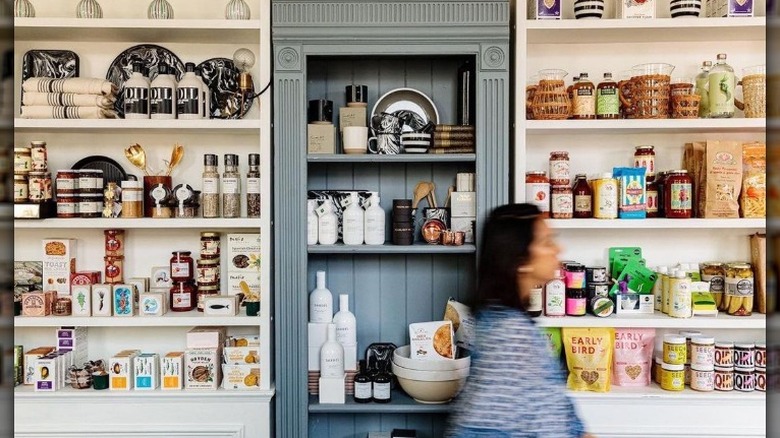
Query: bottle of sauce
pixel 721 89
pixel 584 102
pixel 537 191
pixel 678 195
pixel 652 199
pixel 703 89
pixel 644 156
pixel 607 99
pixel 583 197
pixel 559 168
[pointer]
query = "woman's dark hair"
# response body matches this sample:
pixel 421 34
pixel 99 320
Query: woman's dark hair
pixel 506 236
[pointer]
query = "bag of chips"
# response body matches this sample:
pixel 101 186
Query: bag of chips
pixel 589 357
pixel 633 357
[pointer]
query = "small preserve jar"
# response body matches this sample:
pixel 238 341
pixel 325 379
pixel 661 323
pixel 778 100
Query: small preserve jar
pixel 738 300
pixel 208 272
pixel 183 296
pixel 182 266
pixel 559 168
pixel 644 156
pixel 678 195
pixel 562 203
pixel 68 206
pixel 203 292
pixel 537 191
pixel 724 354
pixel 67 182
pixel 21 189
pixel 22 160
pixel 209 245
pixel 583 197
pixel 38 155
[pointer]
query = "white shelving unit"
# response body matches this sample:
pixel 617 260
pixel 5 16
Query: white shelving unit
pixel 198 33
pixel 615 45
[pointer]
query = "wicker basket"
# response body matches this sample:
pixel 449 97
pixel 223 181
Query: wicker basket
pixel 754 94
pixel 685 106
pixel 650 96
pixel 551 101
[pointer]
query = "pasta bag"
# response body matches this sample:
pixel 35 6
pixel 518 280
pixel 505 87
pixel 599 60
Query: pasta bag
pixel 589 358
pixel 752 201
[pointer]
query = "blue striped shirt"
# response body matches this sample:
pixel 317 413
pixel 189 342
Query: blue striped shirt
pixel 515 389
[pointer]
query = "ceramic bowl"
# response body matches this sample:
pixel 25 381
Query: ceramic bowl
pixel 401 358
pixel 416 147
pixel 431 387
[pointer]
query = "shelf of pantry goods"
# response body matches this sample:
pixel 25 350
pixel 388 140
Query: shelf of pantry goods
pixel 399 158
pixel 643 126
pixel 248 126
pixel 131 29
pixel 418 248
pixel 400 404
pixel 647 31
pixel 140 223
pixel 27 392
pixel 659 223
pixel 170 319
pixel 657 320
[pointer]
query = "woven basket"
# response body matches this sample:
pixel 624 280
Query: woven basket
pixel 685 106
pixel 650 96
pixel 551 101
pixel 754 94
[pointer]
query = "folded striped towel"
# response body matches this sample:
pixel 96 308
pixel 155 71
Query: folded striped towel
pixel 70 85
pixel 67 99
pixel 67 112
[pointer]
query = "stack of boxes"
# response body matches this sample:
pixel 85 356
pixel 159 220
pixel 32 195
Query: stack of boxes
pixel 243 260
pixel 202 359
pixel 241 368
pixel 463 206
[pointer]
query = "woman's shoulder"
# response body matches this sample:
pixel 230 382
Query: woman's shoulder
pixel 496 317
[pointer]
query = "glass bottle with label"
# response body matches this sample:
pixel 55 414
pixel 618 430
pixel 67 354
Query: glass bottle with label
pixel 136 94
pixel 607 99
pixel 722 86
pixel 209 197
pixel 163 94
pixel 381 383
pixel 584 105
pixel 535 301
pixel 555 296
pixel 644 156
pixel 231 187
pixel 703 89
pixel 188 94
pixel 537 191
pixel 583 197
pixel 253 186
pixel 363 390
pixel 652 199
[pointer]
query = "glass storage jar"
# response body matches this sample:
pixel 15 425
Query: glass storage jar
pixel 22 160
pixel 537 191
pixel 182 266
pixel 67 182
pixel 559 168
pixel 183 296
pixel 678 195
pixel 209 245
pixel 562 203
pixel 738 300
pixel 644 156
pixel 21 189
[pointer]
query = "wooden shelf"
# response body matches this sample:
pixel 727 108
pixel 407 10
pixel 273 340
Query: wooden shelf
pixel 213 126
pixel 27 392
pixel 644 126
pixel 170 319
pixel 634 224
pixel 657 320
pixel 400 404
pixel 140 223
pixel 654 30
pixel 400 158
pixel 134 30
pixel 418 248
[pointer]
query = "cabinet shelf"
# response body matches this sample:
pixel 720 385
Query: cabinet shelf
pixel 241 126
pixel 132 30
pixel 418 248
pixel 27 393
pixel 644 126
pixel 140 223
pixel 401 158
pixel 654 392
pixel 170 319
pixel 651 30
pixel 657 320
pixel 660 223
pixel 400 404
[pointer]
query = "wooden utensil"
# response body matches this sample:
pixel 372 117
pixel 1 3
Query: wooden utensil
pixel 449 196
pixel 176 156
pixel 421 190
pixel 136 155
pixel 433 201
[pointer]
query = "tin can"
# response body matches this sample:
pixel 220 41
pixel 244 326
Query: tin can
pixel 605 197
pixel 38 156
pixel 21 188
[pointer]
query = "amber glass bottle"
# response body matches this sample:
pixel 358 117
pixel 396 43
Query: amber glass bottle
pixel 584 105
pixel 583 197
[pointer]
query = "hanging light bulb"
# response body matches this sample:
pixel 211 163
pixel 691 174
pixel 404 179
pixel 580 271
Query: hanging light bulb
pixel 244 60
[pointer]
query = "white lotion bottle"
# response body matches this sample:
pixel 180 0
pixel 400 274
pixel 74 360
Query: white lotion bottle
pixel 189 95
pixel 332 356
pixel 136 94
pixel 374 222
pixel 312 222
pixel 346 324
pixel 163 94
pixel 328 224
pixel 354 222
pixel 321 302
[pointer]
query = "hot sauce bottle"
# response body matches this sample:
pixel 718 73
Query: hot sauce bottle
pixel 583 197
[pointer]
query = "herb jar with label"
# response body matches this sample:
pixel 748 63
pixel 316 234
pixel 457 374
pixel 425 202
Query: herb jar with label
pixel 678 195
pixel 537 191
pixel 559 168
pixel 182 266
pixel 644 156
pixel 584 94
pixel 562 202
pixel 738 300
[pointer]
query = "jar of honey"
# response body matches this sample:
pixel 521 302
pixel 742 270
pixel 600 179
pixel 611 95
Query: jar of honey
pixel 537 191
pixel 678 195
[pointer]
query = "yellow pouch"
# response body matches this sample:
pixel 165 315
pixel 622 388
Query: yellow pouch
pixel 589 358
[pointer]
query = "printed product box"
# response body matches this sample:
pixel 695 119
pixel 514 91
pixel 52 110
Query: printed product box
pixel 241 355
pixel 252 280
pixel 172 367
pixel 29 362
pixel 46 374
pixel 161 277
pixel 59 262
pixel 432 340
pixel 102 298
pixel 221 305
pixel 147 371
pixel 243 252
pixel 243 341
pixel 82 278
pixel 240 376
pixel 465 224
pixel 636 9
pixel 464 204
pixel 202 368
pixel 141 284
pixel 321 139
pixel 152 304
pixel 463 322
pixel 81 300
pixel 332 390
pixel 73 339
pixel 121 376
pixel 544 9
pixel 37 303
pixel 206 337
pixel 351 116
pixel 124 298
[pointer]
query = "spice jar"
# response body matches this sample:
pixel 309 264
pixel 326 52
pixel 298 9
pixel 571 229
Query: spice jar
pixel 203 292
pixel 559 168
pixel 652 199
pixel 22 160
pixel 21 188
pixel 114 242
pixel 183 296
pixel 672 377
pixel 738 300
pixel 208 272
pixel 744 355
pixel 90 181
pixel 132 199
pixel 674 349
pixel 644 156
pixel 68 206
pixel 605 197
pixel 210 186
pixel 583 197
pixel 90 205
pixel 702 378
pixel 703 352
pixel 231 187
pixel 67 182
pixel 253 186
pixel 38 155
pixel 562 203
pixel 744 379
pixel 181 266
pixel 724 378
pixel 114 269
pixel 209 245
pixel 678 193
pixel 724 354
pixel 537 191
pixel 714 273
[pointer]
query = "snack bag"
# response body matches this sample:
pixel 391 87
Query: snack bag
pixel 633 361
pixel 722 179
pixel 589 357
pixel 632 193
pixel 752 201
pixel 552 335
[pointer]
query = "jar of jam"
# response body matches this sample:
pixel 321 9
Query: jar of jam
pixel 562 202
pixel 114 242
pixel 38 155
pixel 39 186
pixel 182 268
pixel 208 271
pixel 583 197
pixel 91 181
pixel 537 191
pixel 90 205
pixel 114 268
pixel 678 195
pixel 559 169
pixel 183 296
pixel 652 199
pixel 660 182
pixel 644 156
pixel 68 206
pixel 209 245
pixel 22 160
pixel 203 292
pixel 67 182
pixel 21 188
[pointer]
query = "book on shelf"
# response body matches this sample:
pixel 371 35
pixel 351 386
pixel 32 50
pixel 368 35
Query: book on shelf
pixel 454 128
pixel 446 144
pixel 453 135
pixel 453 150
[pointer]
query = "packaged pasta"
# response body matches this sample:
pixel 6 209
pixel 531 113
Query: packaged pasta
pixel 589 358
pixel 753 198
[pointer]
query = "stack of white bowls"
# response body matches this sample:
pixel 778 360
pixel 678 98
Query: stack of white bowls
pixel 685 8
pixel 588 9
pixel 430 381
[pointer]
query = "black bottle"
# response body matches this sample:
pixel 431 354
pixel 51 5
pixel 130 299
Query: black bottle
pixel 363 384
pixel 381 383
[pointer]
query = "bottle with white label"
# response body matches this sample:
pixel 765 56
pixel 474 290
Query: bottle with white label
pixel 312 222
pixel 209 198
pixel 346 324
pixel 658 287
pixel 328 224
pixel 535 301
pixel 680 295
pixel 189 95
pixel 363 388
pixel 321 302
pixel 555 296
pixel 136 94
pixel 354 222
pixel 381 383
pixel 253 187
pixel 231 187
pixel 331 356
pixel 375 222
pixel 163 94
pixel 205 96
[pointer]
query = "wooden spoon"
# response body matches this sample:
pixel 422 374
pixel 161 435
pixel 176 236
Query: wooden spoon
pixel 421 190
pixel 137 156
pixel 176 156
pixel 432 186
pixel 449 196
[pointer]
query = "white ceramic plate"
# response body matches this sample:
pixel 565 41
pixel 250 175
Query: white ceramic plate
pixel 407 99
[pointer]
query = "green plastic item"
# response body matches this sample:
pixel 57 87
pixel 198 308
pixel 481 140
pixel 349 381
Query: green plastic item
pixel 619 258
pixel 641 280
pixel 554 341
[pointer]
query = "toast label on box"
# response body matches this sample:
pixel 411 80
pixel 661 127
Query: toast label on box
pixel 432 340
pixel 59 262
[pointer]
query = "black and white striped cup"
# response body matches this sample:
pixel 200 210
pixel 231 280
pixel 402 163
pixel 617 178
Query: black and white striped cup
pixel 685 8
pixel 588 9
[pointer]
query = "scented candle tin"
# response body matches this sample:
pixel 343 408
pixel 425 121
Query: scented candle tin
pixel 124 298
pixel 102 299
pixel 172 366
pixel 147 371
